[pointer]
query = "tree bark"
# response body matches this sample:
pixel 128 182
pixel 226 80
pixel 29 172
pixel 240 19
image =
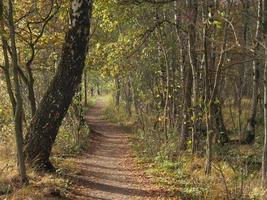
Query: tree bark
pixel 118 91
pixel 85 88
pixel 207 104
pixel 208 46
pixel 186 108
pixel 219 125
pixel 251 122
pixel 55 103
pixel 128 97
pixel 7 73
pixel 193 9
pixel 186 77
pixel 264 154
pixel 31 93
pixel 19 104
pixel 98 88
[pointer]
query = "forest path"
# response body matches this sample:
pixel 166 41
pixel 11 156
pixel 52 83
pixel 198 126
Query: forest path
pixel 108 170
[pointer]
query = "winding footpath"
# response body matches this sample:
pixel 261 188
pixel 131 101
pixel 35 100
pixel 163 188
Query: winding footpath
pixel 108 171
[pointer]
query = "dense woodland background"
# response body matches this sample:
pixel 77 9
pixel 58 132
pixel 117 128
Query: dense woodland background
pixel 189 77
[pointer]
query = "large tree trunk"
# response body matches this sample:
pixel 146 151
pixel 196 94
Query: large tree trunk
pixel 55 103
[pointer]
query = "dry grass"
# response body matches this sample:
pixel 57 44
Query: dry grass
pixel 41 186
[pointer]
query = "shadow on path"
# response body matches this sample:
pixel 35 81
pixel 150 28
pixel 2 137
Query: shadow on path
pixel 107 170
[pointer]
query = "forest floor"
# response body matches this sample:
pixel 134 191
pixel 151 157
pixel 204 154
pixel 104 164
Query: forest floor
pixel 108 170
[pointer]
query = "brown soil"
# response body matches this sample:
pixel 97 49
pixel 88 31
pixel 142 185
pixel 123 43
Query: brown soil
pixel 108 169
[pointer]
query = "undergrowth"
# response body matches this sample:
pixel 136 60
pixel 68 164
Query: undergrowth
pixel 235 169
pixel 116 114
pixel 72 139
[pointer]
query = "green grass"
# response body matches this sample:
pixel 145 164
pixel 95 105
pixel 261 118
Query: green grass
pixel 116 115
pixel 91 101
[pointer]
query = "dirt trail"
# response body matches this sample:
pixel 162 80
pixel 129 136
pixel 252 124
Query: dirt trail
pixel 107 169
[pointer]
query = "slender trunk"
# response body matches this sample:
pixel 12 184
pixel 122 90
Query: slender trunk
pixel 92 91
pixel 7 64
pixel 118 91
pixel 85 88
pixel 193 9
pixel 251 122
pixel 186 77
pixel 98 89
pixel 209 128
pixel 208 140
pixel 81 120
pixel 19 104
pixel 219 125
pixel 207 104
pixel 264 155
pixel 128 98
pixel 243 70
pixel 186 108
pixel 6 72
pixel 167 95
pixel 57 99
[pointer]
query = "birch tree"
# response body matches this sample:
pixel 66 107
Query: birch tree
pixel 55 103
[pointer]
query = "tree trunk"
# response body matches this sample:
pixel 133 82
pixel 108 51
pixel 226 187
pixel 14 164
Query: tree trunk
pixel 31 93
pixel 128 98
pixel 264 155
pixel 118 91
pixel 243 71
pixel 98 89
pixel 6 71
pixel 55 103
pixel 193 9
pixel 19 104
pixel 207 104
pixel 209 128
pixel 186 78
pixel 186 108
pixel 222 132
pixel 92 91
pixel 85 88
pixel 251 122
